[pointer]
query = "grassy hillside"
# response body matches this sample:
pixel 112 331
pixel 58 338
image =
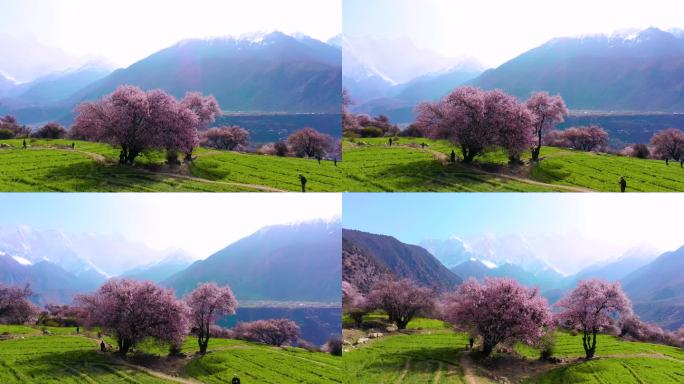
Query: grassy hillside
pixel 431 352
pixel 369 165
pixel 407 166
pixel 51 165
pixel 29 356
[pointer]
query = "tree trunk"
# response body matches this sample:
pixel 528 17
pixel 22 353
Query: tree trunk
pixel 124 346
pixel 401 324
pixel 589 343
pixel 535 153
pixel 203 344
pixel 487 348
pixel 468 155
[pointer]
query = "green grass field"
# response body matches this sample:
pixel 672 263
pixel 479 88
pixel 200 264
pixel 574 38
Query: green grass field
pixel 405 166
pixel 369 165
pixel 29 356
pixel 434 355
pixel 51 165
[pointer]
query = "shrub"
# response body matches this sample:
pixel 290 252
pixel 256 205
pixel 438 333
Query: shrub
pixel 371 131
pixel 6 134
pixel 225 138
pixel 411 131
pixel 334 346
pixel 275 332
pixel 50 131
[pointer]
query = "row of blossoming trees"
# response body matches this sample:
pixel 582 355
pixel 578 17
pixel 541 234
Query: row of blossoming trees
pixel 478 121
pixel 501 311
pixel 137 121
pixel 133 311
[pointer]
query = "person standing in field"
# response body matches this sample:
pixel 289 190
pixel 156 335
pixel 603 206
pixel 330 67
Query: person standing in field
pixel 24 143
pixel 103 347
pixel 390 141
pixel 302 180
pixel 453 156
pixel 623 184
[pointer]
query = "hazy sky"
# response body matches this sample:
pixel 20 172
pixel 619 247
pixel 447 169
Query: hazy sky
pixel 200 223
pixel 495 31
pixel 622 221
pixel 124 31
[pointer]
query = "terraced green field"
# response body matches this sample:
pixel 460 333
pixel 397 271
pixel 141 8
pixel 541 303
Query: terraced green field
pixel 639 370
pixel 28 356
pixel 406 166
pixel 51 165
pixel 437 355
pixel 369 165
pixel 419 358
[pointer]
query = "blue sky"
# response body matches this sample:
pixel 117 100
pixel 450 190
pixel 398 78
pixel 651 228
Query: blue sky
pixel 623 220
pixel 498 30
pixel 124 31
pixel 200 223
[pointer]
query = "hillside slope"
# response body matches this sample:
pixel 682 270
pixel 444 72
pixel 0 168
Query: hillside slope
pixel 279 265
pixel 403 260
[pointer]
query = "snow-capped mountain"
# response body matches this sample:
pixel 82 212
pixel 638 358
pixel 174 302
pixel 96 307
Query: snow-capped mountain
pixel 30 247
pixel 161 270
pixel 635 70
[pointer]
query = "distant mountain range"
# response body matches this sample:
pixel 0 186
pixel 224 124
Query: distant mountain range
pixel 271 72
pixel 367 256
pixel 379 82
pixel 283 263
pixel 162 269
pixel 642 70
pixel 657 289
pixel 653 281
pixel 277 263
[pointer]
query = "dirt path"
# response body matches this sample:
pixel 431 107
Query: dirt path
pixel 468 375
pixel 442 158
pixel 103 160
pixel 258 187
pixel 404 371
pixel 438 374
pixel 157 374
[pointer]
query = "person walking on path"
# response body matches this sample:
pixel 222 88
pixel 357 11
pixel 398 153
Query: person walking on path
pixel 302 180
pixel 623 184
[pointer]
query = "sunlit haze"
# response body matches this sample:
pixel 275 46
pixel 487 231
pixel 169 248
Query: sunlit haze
pixel 495 31
pixel 200 223
pixel 125 31
pixel 592 227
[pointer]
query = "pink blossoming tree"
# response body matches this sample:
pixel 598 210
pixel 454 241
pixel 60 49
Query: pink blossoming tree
pixel 547 111
pixel 208 302
pixel 308 142
pixel 275 332
pixel 668 144
pixel 226 138
pixel 354 303
pixel 478 121
pixel 500 310
pixel 137 121
pixel 592 307
pixel 15 308
pixel 135 310
pixel 401 299
pixel 586 138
